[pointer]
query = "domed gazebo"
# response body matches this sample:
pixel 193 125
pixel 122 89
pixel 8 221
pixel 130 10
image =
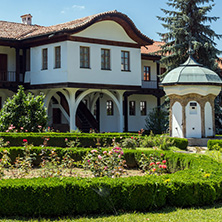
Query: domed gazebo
pixel 192 89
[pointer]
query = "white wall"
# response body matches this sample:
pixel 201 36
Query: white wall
pixel 70 70
pixel 108 30
pixel 137 122
pixel 208 120
pixel 193 122
pixel 50 75
pixel 11 57
pixel 177 120
pixel 94 74
pixel 108 123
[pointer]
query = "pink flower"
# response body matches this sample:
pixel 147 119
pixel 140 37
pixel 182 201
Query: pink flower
pixel 152 163
pixel 26 130
pixel 119 156
pixel 121 153
pixel 157 163
pixel 88 161
pixel 164 161
pixel 25 140
pixel 21 128
pixel 39 126
pixel 160 166
pixel 105 168
pixel 16 131
pixel 7 131
pixel 154 169
pixel 131 137
pixel 99 157
pixel 110 152
pixel 92 151
pixel 164 166
pixel 104 152
pixel 66 139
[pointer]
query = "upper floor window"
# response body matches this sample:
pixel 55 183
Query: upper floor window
pixel 125 58
pixel 58 57
pixel 84 57
pixel 27 60
pixel 45 59
pixel 143 108
pixel 132 108
pixel 105 59
pixel 146 73
pixel 109 107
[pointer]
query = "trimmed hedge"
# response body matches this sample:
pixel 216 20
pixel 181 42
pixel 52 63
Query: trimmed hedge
pixel 74 196
pixel 58 139
pixel 211 143
pixel 132 157
pixel 85 139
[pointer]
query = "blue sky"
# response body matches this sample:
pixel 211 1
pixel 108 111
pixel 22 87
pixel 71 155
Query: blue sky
pixel 142 12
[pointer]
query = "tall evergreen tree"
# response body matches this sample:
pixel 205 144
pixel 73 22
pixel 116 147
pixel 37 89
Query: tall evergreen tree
pixel 189 23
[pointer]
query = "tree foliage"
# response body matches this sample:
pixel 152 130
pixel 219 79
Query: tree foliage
pixel 157 121
pixel 189 23
pixel 23 111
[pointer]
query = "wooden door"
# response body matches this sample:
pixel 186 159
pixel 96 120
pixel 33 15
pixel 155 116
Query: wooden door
pixel 3 67
pixel 56 115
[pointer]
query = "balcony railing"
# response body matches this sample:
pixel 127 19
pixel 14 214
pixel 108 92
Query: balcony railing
pixel 10 76
pixel 149 84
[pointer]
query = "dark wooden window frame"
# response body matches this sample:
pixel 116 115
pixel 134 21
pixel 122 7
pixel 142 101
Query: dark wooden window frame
pixel 57 57
pixel 105 59
pixel 125 61
pixel 132 108
pixel 143 108
pixel 44 59
pixel 109 108
pixel 146 73
pixel 84 57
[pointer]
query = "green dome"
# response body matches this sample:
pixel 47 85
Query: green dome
pixel 191 73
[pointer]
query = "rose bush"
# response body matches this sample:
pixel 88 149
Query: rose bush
pixel 107 163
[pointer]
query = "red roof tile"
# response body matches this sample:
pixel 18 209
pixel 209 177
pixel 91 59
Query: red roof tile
pixel 151 49
pixel 18 31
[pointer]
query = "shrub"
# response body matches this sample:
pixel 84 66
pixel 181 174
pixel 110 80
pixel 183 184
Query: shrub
pixel 157 121
pixel 105 163
pixel 211 144
pixel 23 112
pixel 130 143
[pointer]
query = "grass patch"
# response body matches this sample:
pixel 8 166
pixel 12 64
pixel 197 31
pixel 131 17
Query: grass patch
pixel 207 213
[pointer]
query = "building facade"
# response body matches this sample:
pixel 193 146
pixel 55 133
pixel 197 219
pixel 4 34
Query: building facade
pixel 96 72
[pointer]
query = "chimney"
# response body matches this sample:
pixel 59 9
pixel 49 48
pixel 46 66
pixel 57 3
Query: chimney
pixel 27 19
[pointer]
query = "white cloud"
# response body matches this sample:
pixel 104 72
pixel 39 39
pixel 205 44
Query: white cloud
pixel 72 8
pixel 80 7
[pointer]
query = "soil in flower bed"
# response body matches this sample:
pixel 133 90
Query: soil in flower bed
pixel 75 172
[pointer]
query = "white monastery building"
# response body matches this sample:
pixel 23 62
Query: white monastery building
pixel 96 72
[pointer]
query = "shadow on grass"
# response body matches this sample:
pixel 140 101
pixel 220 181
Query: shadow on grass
pixel 165 210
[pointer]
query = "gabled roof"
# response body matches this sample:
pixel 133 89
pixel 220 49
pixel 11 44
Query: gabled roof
pixel 152 49
pixel 17 31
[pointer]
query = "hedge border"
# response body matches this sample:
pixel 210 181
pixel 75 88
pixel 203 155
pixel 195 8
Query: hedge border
pixel 74 196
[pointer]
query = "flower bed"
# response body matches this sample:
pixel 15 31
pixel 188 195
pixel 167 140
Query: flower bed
pixel 197 181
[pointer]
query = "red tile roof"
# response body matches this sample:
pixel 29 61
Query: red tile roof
pixel 18 31
pixel 151 49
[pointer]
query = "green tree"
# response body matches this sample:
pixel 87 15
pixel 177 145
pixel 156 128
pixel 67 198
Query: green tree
pixel 157 121
pixel 189 23
pixel 23 111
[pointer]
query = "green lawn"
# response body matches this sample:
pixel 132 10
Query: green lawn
pixel 211 213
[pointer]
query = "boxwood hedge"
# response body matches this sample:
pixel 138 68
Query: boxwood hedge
pixel 197 181
pixel 85 139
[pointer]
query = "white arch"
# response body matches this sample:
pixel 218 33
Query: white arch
pixel 85 93
pixel 52 93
